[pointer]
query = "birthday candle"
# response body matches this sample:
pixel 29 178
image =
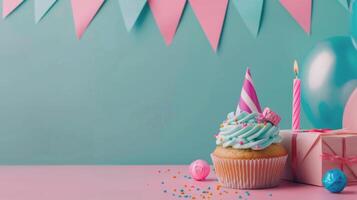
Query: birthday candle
pixel 296 99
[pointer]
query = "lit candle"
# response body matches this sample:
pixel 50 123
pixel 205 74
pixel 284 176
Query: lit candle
pixel 296 99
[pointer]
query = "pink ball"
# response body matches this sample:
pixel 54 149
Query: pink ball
pixel 199 170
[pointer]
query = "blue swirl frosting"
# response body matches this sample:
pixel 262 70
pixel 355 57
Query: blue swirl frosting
pixel 246 131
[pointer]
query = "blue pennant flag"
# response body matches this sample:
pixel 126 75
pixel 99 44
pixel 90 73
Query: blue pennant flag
pixel 131 10
pixel 251 12
pixel 42 7
pixel 345 4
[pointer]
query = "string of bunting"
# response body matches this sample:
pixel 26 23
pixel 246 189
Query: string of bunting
pixel 167 14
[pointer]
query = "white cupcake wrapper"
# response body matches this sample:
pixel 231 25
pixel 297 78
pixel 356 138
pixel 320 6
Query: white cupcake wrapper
pixel 249 174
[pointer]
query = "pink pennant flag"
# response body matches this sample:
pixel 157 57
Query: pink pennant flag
pixel 248 98
pixel 9 5
pixel 211 16
pixel 300 10
pixel 83 13
pixel 167 14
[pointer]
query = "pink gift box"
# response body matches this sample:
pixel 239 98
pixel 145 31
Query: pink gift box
pixel 312 153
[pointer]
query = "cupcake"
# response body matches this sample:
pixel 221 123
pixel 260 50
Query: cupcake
pixel 248 153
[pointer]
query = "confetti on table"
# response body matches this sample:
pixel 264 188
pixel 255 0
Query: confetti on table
pixel 180 185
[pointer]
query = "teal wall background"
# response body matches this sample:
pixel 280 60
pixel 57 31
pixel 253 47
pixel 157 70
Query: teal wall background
pixel 125 98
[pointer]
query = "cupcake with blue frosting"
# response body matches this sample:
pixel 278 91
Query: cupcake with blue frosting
pixel 248 153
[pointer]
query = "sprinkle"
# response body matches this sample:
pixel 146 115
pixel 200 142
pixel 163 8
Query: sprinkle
pixel 241 142
pixel 165 191
pixel 240 197
pixel 218 187
pixel 270 194
pixel 162 182
pixel 247 193
pixel 159 171
pixel 174 177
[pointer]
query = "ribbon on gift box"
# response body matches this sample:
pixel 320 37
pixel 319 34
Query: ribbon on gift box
pixel 344 161
pixel 335 158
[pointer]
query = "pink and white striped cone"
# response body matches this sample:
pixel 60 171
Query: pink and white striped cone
pixel 248 98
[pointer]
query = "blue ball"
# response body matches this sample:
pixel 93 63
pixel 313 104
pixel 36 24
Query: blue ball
pixel 334 180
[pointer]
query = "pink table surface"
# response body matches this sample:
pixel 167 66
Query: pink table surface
pixel 137 182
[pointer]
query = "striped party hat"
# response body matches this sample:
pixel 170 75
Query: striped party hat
pixel 248 98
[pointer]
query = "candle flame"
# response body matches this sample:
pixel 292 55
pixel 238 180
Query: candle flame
pixel 296 68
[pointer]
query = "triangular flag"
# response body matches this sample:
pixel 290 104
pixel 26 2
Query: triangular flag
pixel 42 7
pixel 210 15
pixel 300 10
pixel 248 98
pixel 83 13
pixel 167 15
pixel 345 3
pixel 131 10
pixel 8 6
pixel 251 12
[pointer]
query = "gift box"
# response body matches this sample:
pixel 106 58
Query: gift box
pixel 313 152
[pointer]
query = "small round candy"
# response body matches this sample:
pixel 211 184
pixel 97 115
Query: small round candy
pixel 199 170
pixel 334 180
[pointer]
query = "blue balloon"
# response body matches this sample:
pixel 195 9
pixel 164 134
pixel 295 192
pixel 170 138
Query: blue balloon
pixel 334 180
pixel 329 76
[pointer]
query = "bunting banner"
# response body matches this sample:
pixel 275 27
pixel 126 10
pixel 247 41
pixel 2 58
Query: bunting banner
pixel 251 13
pixel 8 6
pixel 300 10
pixel 211 15
pixel 83 13
pixel 345 4
pixel 131 10
pixel 42 7
pixel 167 15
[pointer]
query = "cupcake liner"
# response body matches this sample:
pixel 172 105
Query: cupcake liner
pixel 249 174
